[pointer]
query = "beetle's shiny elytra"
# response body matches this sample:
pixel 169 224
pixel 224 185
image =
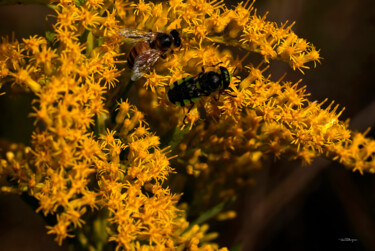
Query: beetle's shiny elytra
pixel 189 90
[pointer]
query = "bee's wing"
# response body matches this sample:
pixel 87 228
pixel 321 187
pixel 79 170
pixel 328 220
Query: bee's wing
pixel 136 34
pixel 144 63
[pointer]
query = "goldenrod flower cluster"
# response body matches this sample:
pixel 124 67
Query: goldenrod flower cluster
pixel 93 155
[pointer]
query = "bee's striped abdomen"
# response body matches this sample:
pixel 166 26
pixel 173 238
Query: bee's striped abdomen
pixel 137 51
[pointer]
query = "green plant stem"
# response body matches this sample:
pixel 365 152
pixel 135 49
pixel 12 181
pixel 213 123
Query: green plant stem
pixel 90 43
pixel 211 213
pixel 100 124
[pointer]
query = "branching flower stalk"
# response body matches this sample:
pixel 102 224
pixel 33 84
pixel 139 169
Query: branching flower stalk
pixel 94 155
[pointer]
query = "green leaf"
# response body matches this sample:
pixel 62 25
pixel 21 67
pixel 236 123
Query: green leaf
pixel 50 36
pixel 174 137
pixel 79 3
pixel 211 213
pixel 236 247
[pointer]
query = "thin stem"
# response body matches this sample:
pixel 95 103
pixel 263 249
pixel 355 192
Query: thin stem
pixel 90 43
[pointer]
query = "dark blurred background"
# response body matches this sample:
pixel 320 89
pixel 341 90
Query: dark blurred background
pixel 317 207
pixel 322 206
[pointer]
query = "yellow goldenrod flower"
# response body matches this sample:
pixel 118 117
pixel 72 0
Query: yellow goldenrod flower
pixel 23 76
pixel 91 150
pixel 60 229
pixel 33 43
pixel 95 4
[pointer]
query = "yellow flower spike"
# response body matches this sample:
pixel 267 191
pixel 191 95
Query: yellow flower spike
pixel 4 71
pixel 286 53
pixel 73 165
pixel 61 229
pixel 195 156
pixel 176 24
pixel 125 128
pixel 313 55
pixel 66 17
pixel 94 4
pixel 241 16
pixel 142 7
pixel 33 43
pixel 175 5
pixel 11 53
pixel 200 31
pixel 110 76
pixel 158 13
pixel 210 237
pixel 136 119
pixel 45 57
pixel 268 52
pixel 208 55
pixel 74 216
pixel 192 60
pixel 23 77
pixel 275 148
pixel 140 131
pixel 88 19
pixel 193 245
pixel 306 156
pixel 286 40
pixel 243 12
pixel 218 21
pixel 123 110
pixel 301 45
pixel 205 7
pixel 177 73
pixel 68 38
pixel 155 81
pixel 254 74
pixel 108 139
pixel 284 36
pixel 9 156
pixel 189 14
pixel 192 116
pixel 109 24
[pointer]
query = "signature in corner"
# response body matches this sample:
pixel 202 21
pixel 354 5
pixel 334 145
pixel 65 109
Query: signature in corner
pixel 348 239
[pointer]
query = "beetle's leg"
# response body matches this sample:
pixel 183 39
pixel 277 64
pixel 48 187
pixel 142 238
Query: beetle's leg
pixel 230 95
pixel 216 98
pixel 213 65
pixel 184 121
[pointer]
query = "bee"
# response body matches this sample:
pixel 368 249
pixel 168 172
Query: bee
pixel 149 48
pixel 189 90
